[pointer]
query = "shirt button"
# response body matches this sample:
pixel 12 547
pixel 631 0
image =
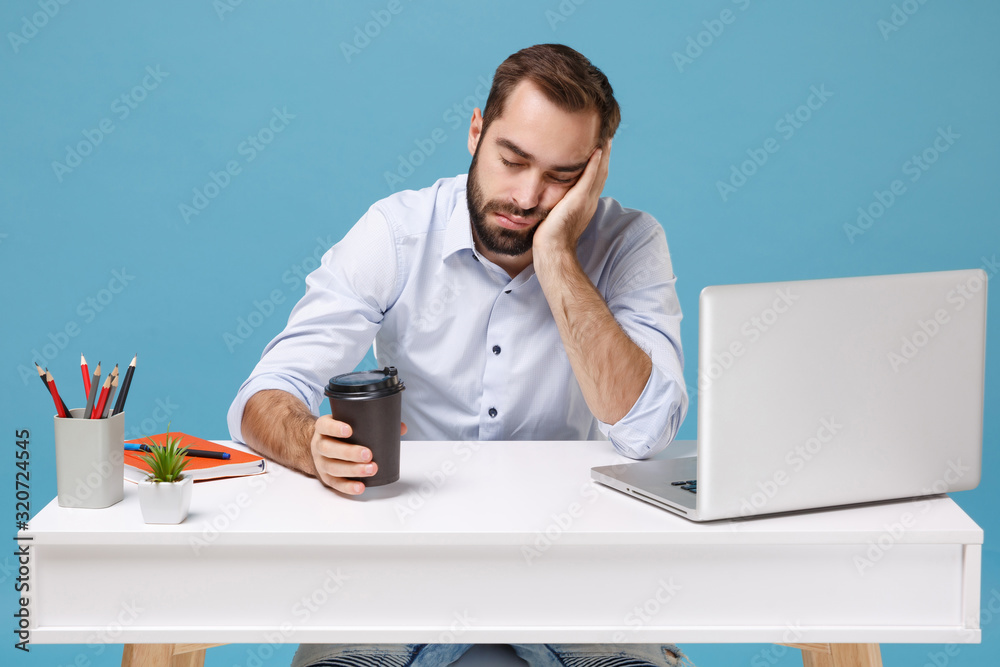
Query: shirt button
pixel 493 412
pixel 496 349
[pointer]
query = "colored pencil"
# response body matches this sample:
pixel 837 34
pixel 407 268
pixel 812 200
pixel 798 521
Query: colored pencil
pixel 86 376
pixel 95 385
pixel 111 394
pixel 99 405
pixel 113 375
pixel 41 376
pixel 55 395
pixel 126 383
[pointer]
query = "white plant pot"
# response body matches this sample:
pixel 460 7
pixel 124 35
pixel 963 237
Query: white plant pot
pixel 165 502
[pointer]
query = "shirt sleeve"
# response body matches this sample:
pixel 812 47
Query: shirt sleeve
pixel 642 297
pixel 331 328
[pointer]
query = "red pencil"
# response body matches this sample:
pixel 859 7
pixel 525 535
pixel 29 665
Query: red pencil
pixel 49 380
pixel 95 387
pixel 41 376
pixel 99 406
pixel 86 376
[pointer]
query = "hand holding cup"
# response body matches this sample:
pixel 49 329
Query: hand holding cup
pixel 338 461
pixel 358 442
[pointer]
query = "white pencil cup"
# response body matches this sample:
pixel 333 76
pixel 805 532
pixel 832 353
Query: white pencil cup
pixel 90 460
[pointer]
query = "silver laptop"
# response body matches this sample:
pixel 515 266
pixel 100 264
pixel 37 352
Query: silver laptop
pixel 821 393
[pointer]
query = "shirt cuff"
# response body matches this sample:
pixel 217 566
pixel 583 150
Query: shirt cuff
pixel 653 421
pixel 260 383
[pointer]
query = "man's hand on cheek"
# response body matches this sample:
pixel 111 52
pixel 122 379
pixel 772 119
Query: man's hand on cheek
pixel 561 230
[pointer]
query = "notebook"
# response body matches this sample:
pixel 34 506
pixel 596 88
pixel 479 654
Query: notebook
pixel 823 393
pixel 239 464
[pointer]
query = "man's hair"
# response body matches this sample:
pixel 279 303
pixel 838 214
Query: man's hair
pixel 566 77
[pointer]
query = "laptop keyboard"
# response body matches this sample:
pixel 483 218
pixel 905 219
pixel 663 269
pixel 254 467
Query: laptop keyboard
pixel 688 485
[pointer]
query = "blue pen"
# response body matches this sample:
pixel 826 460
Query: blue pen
pixel 197 453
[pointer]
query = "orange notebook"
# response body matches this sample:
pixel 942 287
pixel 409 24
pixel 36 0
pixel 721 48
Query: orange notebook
pixel 238 464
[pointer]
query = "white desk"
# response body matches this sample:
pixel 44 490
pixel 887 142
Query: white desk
pixel 499 542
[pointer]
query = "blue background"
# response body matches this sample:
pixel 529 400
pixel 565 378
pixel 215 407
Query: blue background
pixel 190 281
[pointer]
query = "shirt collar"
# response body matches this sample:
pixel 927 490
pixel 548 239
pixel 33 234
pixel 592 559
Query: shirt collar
pixel 458 231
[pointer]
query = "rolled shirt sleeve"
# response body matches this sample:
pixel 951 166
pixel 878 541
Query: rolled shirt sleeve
pixel 642 297
pixel 331 328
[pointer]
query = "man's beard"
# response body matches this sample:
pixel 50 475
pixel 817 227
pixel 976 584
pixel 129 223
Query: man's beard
pixel 494 238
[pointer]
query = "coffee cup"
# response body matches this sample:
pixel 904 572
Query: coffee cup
pixel 371 403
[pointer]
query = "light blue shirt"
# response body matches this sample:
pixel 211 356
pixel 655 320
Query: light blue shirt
pixel 479 352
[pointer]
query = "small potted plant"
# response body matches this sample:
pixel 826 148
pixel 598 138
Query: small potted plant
pixel 165 495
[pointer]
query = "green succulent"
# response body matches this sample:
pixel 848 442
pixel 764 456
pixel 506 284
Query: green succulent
pixel 168 461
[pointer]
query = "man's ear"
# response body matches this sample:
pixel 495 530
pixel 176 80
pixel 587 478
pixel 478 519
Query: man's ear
pixel 475 130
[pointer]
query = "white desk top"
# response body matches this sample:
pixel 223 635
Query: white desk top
pixel 516 534
pixel 481 493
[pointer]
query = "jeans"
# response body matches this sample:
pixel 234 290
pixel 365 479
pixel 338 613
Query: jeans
pixel 441 655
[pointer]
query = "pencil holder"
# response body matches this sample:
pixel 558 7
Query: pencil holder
pixel 90 460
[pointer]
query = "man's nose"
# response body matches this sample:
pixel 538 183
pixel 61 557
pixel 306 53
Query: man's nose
pixel 528 190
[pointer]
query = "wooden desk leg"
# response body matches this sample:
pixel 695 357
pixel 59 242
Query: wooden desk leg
pixel 190 655
pixel 840 655
pixel 165 655
pixel 147 655
pixel 192 659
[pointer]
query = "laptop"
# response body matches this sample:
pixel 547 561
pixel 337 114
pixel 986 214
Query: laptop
pixel 823 393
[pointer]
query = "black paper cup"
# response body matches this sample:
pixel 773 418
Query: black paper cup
pixel 371 402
